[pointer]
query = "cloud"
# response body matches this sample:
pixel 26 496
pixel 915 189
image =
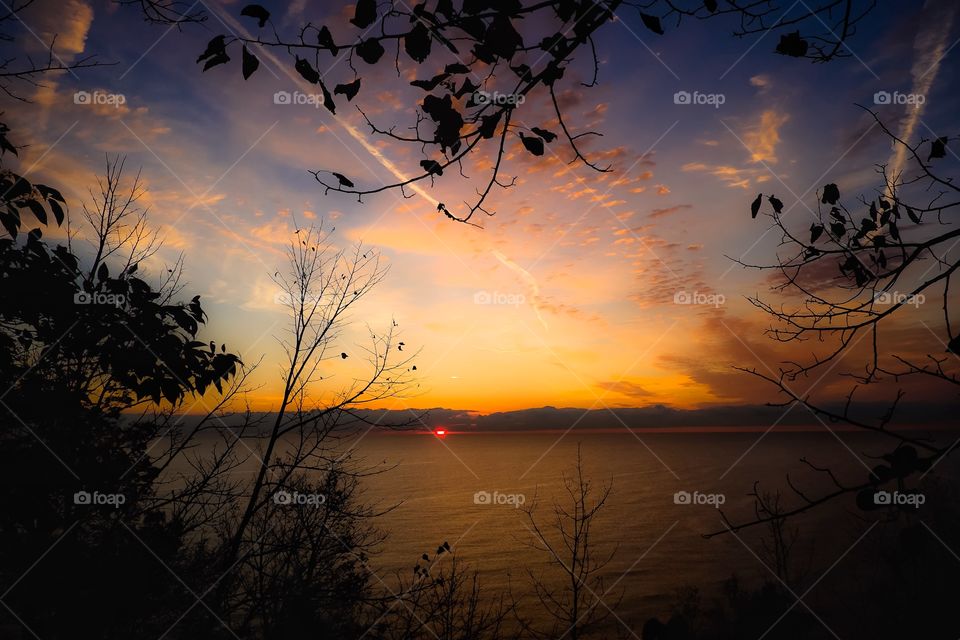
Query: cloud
pixel 930 48
pixel 762 81
pixel 659 213
pixel 762 139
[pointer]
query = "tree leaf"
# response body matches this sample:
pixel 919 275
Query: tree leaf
pixel 365 13
pixel 816 230
pixel 938 148
pixel 57 211
pixel 432 167
pixel 776 204
pixel 325 39
pixel 250 63
pixel 532 144
pixel 214 60
pixel 417 43
pixel 328 99
pixel 652 23
pixel 258 12
pixel 38 211
pixel 370 51
pixel 306 70
pixel 342 179
pixel 755 205
pixel 792 45
pixel 214 47
pixel 548 136
pixel 831 194
pixel 432 83
pixel 350 90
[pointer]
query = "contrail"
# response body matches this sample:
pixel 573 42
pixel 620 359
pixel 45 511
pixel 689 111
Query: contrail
pixel 352 131
pixel 527 277
pixel 929 45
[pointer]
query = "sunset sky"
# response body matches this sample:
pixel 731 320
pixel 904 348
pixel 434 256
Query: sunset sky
pixel 592 261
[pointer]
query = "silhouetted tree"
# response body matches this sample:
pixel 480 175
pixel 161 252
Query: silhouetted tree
pixel 577 600
pixel 79 346
pixel 851 276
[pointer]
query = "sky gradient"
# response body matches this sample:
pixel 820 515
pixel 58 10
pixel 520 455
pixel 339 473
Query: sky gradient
pixel 568 296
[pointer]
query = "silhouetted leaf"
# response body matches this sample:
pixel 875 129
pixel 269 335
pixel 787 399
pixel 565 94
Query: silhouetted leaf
pixel 38 211
pixel 432 83
pixel 250 63
pixel 532 144
pixel 432 167
pixel 258 12
pixel 417 43
pixel 755 205
pixel 306 70
pixel 838 229
pixel 365 13
pixel 711 5
pixel 501 38
pixel 328 99
pixel 831 194
pixel 325 39
pixel 488 125
pixel 57 211
pixel 523 72
pixel 50 193
pixel 214 60
pixel 102 272
pixel 913 215
pixel 214 47
pixel 445 8
pixel 816 230
pixel 938 148
pixel 652 23
pixel 456 67
pixel 793 45
pixel 775 203
pixel 370 51
pixel 349 90
pixel 548 136
pixel 467 87
pixel 342 179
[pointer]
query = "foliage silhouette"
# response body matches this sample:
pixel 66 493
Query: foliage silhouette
pixel 480 47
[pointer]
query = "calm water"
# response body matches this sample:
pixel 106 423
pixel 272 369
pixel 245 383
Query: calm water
pixel 660 546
